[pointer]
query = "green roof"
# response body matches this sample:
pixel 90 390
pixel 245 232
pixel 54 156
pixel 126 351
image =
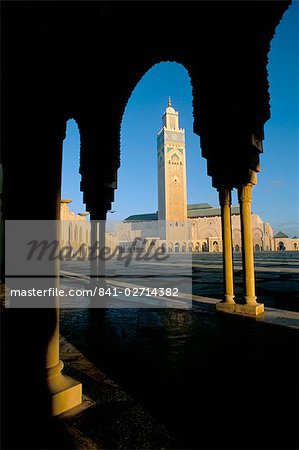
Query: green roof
pixel 209 212
pixel 142 217
pixel 280 234
pixel 199 206
pixel 193 211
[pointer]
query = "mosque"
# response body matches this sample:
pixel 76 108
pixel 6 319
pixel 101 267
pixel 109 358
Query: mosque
pixel 176 226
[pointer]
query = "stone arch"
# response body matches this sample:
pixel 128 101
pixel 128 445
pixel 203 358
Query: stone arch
pixel 281 246
pixel 237 238
pixel 257 239
pixel 197 246
pixel 210 232
pixel 148 69
pixel 177 247
pixel 170 246
pixel 215 246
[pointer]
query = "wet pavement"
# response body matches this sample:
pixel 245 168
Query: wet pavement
pixel 211 380
pixel 276 273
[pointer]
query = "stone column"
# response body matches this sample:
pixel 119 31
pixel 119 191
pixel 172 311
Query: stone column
pixel 228 303
pixel 97 237
pixel 94 243
pixel 97 260
pixel 251 306
pixel 65 391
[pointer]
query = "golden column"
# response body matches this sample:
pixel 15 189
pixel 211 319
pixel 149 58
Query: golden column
pixel 245 196
pixel 66 392
pixel 228 303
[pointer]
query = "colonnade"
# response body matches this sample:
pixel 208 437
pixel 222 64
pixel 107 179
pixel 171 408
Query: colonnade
pixel 249 306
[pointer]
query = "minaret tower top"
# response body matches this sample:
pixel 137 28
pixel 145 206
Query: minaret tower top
pixel 170 117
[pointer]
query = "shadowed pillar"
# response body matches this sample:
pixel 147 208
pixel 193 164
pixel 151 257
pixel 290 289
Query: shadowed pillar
pixel 66 392
pixel 245 195
pixel 228 303
pixel 97 260
pixel 97 257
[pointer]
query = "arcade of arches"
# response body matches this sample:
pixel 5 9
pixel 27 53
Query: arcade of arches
pixel 86 68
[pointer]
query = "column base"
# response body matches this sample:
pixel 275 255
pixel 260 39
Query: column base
pixel 250 310
pixel 65 391
pixel 245 310
pixel 226 307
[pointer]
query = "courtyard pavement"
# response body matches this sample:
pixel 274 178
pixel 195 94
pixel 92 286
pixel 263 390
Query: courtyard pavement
pixel 187 377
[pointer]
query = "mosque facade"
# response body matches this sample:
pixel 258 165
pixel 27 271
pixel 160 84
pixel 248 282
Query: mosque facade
pixel 176 226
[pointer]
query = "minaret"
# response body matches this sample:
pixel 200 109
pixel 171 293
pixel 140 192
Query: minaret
pixel 172 191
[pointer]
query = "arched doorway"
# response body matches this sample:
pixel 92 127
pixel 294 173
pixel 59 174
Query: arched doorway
pixel 281 246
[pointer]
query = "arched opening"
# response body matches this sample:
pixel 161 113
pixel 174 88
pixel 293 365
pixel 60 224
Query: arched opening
pixel 141 154
pixel 237 248
pixel 215 246
pixel 204 247
pixel 281 246
pixel 295 246
pixel 73 215
pixel 177 247
pixel 257 248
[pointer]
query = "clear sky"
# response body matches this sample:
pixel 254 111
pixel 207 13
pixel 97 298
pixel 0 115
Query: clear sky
pixel 275 198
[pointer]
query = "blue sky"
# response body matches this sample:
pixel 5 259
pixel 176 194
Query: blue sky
pixel 275 198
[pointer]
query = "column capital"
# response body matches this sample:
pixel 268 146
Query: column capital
pixel 225 197
pixel 245 193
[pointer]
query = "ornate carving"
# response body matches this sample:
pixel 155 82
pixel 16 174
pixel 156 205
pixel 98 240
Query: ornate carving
pixel 174 136
pixel 245 193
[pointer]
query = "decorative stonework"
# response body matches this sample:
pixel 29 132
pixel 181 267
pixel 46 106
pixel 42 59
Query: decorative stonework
pixel 172 195
pixel 174 136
